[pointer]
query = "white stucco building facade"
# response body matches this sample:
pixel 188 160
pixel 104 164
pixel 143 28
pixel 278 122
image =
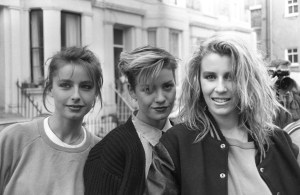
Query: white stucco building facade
pixel 33 30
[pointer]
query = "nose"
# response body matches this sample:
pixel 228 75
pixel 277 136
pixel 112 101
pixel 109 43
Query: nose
pixel 221 86
pixel 76 95
pixel 160 97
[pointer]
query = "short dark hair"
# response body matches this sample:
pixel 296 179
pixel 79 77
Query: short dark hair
pixel 145 63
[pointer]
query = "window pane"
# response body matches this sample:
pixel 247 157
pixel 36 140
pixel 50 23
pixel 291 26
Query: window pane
pixel 70 29
pixel 296 59
pixel 118 37
pixel 290 9
pixel 36 46
pixel 295 1
pixel 290 58
pixel 256 18
pixel 296 8
pixel 295 50
pixel 118 82
pixel 174 47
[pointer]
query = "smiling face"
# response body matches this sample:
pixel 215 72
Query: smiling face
pixel 218 87
pixel 73 92
pixel 155 99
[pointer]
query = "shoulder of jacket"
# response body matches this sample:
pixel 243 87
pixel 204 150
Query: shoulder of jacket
pixel 117 140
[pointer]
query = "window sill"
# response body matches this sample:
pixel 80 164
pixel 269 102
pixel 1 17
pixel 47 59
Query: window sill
pixel 291 15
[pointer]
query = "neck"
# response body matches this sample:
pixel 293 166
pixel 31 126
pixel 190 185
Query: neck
pixel 68 131
pixel 230 128
pixel 159 124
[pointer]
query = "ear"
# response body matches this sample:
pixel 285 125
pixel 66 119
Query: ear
pixel 131 91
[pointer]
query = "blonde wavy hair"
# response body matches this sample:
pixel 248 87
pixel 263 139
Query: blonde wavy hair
pixel 257 99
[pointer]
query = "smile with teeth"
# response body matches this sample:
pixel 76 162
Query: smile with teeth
pixel 75 107
pixel 221 100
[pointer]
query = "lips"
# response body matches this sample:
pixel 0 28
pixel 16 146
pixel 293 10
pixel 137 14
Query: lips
pixel 220 100
pixel 75 107
pixel 161 109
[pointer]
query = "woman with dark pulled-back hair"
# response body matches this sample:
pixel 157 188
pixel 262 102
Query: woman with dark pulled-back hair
pixel 46 156
pixel 119 163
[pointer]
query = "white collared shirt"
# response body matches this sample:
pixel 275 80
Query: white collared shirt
pixel 149 137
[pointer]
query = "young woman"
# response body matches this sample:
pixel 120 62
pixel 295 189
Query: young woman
pixel 226 143
pixel 119 163
pixel 47 155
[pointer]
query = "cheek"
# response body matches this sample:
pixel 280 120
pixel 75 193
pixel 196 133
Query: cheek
pixel 205 88
pixel 172 95
pixel 89 98
pixel 143 100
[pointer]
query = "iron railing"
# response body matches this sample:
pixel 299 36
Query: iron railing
pixel 27 106
pixel 101 123
pixel 124 109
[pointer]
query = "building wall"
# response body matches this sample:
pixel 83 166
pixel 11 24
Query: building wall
pixel 2 59
pixel 193 20
pixel 285 30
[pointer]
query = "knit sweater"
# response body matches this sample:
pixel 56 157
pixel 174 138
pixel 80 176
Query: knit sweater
pixel 116 165
pixel 30 163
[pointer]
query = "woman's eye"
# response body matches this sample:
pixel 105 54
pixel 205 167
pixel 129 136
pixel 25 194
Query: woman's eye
pixel 87 87
pixel 228 77
pixel 168 86
pixel 210 77
pixel 64 85
pixel 147 90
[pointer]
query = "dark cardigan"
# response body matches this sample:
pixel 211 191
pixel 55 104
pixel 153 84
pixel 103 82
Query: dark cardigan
pixel 116 165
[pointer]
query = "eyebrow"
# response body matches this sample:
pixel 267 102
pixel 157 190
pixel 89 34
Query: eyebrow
pixel 70 81
pixel 64 80
pixel 208 72
pixel 169 81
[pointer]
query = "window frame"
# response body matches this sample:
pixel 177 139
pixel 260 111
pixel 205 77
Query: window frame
pixel 179 48
pixel 39 40
pixel 291 3
pixel 63 32
pixel 293 55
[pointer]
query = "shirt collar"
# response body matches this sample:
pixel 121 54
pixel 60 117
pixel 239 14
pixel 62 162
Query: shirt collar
pixel 148 132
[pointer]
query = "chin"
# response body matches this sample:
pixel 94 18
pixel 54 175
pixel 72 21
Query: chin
pixel 160 118
pixel 75 117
